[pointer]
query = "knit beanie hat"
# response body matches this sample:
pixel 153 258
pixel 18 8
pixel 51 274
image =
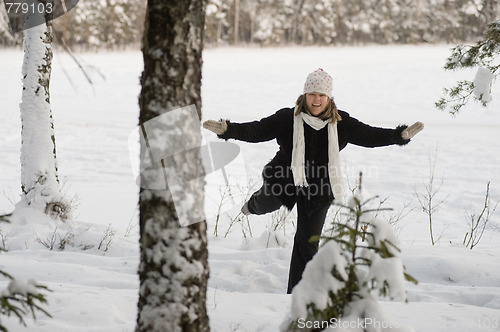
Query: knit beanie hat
pixel 319 81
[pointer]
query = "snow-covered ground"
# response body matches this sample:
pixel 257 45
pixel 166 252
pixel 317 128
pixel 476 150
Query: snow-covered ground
pixel 96 289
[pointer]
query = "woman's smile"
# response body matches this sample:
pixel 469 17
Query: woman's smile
pixel 316 102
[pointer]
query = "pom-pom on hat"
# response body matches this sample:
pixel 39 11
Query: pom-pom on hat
pixel 319 81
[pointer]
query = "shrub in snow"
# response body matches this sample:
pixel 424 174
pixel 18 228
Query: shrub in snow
pixel 361 256
pixel 479 221
pixel 428 199
pixel 20 299
pixel 32 229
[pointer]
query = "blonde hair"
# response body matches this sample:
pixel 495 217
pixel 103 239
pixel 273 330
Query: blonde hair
pixel 330 112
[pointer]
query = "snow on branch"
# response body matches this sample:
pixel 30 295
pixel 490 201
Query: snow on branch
pixel 484 55
pixel 359 258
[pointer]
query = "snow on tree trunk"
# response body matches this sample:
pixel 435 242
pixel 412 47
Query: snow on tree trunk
pixel 174 260
pixel 39 180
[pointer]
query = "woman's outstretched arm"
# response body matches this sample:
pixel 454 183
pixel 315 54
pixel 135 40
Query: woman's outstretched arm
pixel 262 130
pixel 361 134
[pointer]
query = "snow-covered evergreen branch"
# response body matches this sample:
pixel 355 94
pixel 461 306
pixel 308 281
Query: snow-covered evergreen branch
pixel 359 258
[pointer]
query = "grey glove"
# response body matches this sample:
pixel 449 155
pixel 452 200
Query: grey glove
pixel 218 127
pixel 412 130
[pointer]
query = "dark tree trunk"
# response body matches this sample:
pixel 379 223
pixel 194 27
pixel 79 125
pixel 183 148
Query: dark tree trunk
pixel 174 260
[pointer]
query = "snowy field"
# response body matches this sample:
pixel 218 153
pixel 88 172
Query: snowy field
pixel 96 289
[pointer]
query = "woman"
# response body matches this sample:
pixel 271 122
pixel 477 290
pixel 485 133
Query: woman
pixel 306 169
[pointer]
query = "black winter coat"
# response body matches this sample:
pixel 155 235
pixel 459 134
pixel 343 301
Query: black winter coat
pixel 277 173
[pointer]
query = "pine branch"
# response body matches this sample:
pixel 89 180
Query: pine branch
pixel 482 54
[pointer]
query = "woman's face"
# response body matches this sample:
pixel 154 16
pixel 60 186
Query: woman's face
pixel 316 102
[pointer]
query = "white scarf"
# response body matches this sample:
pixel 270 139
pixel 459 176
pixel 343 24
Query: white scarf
pixel 298 152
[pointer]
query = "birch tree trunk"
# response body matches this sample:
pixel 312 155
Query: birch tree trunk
pixel 39 179
pixel 236 37
pixel 174 261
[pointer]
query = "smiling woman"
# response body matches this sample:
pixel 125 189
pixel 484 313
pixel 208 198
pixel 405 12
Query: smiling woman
pixel 306 169
pixel 316 102
pixel 318 92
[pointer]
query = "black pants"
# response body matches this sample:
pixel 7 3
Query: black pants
pixel 309 223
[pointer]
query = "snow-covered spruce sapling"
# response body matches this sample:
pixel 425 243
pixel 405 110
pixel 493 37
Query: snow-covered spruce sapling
pixel 361 256
pixel 479 221
pixel 483 55
pixel 21 299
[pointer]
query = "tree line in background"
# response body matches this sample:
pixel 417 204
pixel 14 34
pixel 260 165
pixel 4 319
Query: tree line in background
pixel 91 24
pixel 325 22
pixel 116 24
